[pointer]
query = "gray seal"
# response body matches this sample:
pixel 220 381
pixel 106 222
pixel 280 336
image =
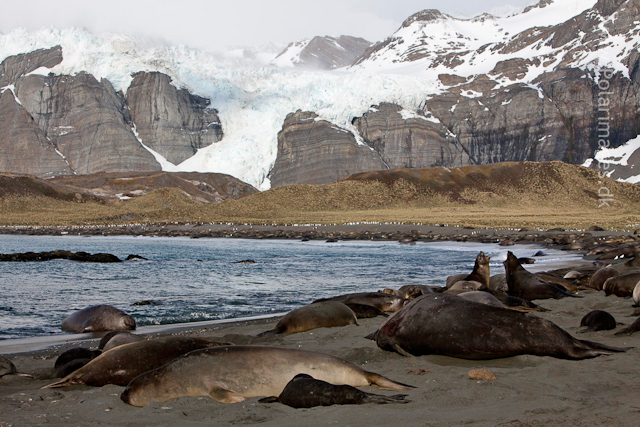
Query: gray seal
pixel 469 330
pixel 98 318
pixel 234 373
pixel 325 314
pixel 304 391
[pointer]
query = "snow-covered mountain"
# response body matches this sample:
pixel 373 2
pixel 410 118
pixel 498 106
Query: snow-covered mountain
pixel 442 72
pixel 323 53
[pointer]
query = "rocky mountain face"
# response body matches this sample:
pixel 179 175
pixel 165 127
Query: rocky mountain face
pixel 74 124
pixel 323 53
pixel 539 101
pixel 314 151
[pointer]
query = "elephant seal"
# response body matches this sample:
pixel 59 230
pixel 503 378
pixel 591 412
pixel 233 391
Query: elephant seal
pixel 481 297
pixel 480 272
pixel 569 285
pixel 386 303
pixel 599 277
pixel 325 314
pixel 116 338
pixel 524 284
pixel 598 320
pixel 73 359
pixel 621 285
pixel 234 373
pixel 304 391
pixel 498 282
pixel 98 318
pixel 122 364
pixel 452 326
pixel 512 302
pixel 636 295
pixel 365 311
pixel 464 286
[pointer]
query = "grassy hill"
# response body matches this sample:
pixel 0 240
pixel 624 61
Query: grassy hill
pixel 503 195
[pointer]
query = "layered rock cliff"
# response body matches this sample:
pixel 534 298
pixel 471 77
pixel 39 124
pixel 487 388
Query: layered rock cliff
pixel 312 151
pixel 56 124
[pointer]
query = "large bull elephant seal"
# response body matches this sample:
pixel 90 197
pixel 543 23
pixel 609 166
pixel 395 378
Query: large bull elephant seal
pixel 304 391
pixel 326 314
pixel 451 326
pixel 123 363
pixel 234 373
pixel 98 318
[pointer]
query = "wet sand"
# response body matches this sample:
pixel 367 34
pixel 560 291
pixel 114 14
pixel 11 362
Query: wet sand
pixel 528 391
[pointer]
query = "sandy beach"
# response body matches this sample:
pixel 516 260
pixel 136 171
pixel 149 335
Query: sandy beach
pixel 528 391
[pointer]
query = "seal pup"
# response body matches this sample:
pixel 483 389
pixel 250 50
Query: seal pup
pixel 234 373
pixel 98 318
pixel 622 285
pixel 123 363
pixel 598 320
pixel 452 326
pixel 524 284
pixel 304 391
pixel 325 314
pixel 386 303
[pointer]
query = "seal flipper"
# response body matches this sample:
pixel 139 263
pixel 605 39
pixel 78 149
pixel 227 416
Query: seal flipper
pixel 401 351
pixel 376 398
pixel 384 383
pixel 598 346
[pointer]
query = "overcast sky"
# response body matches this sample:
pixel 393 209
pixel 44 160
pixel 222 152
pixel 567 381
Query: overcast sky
pixel 213 24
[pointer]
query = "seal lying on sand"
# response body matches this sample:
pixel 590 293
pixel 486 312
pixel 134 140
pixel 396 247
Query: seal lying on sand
pixel 524 284
pixel 234 373
pixel 304 391
pixel 123 363
pixel 73 359
pixel 384 302
pixel 621 285
pixel 599 277
pixel 325 314
pixel 98 318
pixel 598 320
pixel 451 326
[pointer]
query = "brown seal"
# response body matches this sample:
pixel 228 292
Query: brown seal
pixel 122 364
pixel 621 285
pixel 304 391
pixel 524 284
pixel 469 330
pixel 325 314
pixel 234 373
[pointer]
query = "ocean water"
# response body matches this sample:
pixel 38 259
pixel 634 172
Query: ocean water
pixel 195 280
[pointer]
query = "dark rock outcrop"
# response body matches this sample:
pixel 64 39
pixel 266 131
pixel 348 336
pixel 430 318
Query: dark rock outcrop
pixel 314 151
pixel 171 121
pixel 59 254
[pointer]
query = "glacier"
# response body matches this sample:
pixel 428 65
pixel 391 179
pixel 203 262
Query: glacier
pixel 253 97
